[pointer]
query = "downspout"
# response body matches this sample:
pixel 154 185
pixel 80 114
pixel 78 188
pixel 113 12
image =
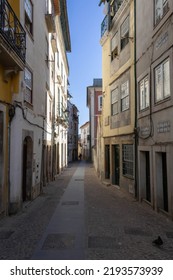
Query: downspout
pixel 136 135
pixel 9 151
pixel 11 113
pixel 53 126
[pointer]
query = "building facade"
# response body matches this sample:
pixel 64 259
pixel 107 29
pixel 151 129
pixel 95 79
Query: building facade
pixel 12 62
pixel 154 64
pixel 85 141
pixel 72 132
pixel 94 103
pixel 35 108
pixel 118 114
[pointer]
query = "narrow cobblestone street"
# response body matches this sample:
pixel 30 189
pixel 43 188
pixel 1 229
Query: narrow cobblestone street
pixel 78 217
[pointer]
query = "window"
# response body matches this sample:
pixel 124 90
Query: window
pixel 114 46
pixel 62 71
pixel 161 7
pixel 29 16
pixel 100 103
pixel 114 101
pixel 47 51
pixel 50 110
pixel 124 33
pixel 128 156
pixel 125 96
pixel 162 81
pixel 144 93
pixel 58 58
pixel 29 83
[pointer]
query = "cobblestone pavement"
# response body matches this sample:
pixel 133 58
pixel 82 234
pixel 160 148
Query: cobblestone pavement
pixel 119 227
pixel 116 225
pixel 20 233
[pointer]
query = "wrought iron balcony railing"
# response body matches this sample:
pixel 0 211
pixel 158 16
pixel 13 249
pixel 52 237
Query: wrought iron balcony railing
pixel 12 30
pixel 104 25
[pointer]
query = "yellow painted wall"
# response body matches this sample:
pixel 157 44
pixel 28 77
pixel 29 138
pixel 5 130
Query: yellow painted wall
pixel 7 88
pixel 108 80
pixel 15 6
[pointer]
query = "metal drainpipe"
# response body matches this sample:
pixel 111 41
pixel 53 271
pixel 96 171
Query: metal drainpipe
pixel 136 136
pixel 53 127
pixel 9 150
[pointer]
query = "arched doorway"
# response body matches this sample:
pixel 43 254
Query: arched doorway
pixel 27 168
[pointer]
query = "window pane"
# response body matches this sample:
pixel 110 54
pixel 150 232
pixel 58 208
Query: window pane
pixel 114 95
pixel 114 42
pixel 128 159
pixel 28 9
pixel 114 108
pixel 125 27
pixel 141 85
pixel 158 83
pixel 158 8
pixel 125 103
pixel 166 78
pixel 28 95
pixel 28 82
pixel 146 92
pixel 125 89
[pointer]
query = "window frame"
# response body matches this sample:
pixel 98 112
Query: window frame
pixel 100 102
pixel 29 86
pixel 146 94
pixel 124 35
pixel 164 8
pixel 125 96
pixel 27 18
pixel 114 101
pixel 163 96
pixel 128 160
pixel 114 46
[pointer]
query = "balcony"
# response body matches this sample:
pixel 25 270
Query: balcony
pixel 12 38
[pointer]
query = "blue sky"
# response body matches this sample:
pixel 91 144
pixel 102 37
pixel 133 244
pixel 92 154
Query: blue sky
pixel 85 17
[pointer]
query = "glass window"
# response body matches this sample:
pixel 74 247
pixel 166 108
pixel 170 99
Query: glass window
pixel 144 93
pixel 114 101
pixel 162 81
pixel 161 8
pixel 114 46
pixel 128 156
pixel 28 81
pixel 124 32
pixel 100 103
pixel 125 96
pixel 29 16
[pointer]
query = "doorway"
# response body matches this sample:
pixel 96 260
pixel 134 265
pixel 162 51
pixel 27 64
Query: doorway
pixel 162 181
pixel 115 165
pixel 147 176
pixel 107 162
pixel 27 168
pixel 1 157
